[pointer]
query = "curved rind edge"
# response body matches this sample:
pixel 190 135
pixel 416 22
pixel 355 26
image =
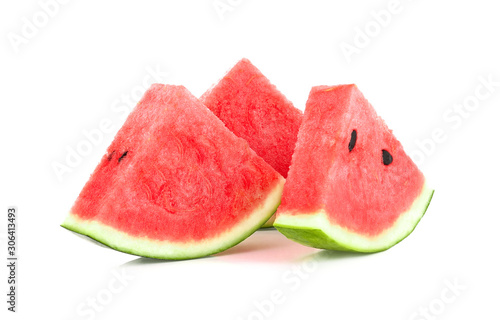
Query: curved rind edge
pixel 169 250
pixel 315 230
pixel 270 223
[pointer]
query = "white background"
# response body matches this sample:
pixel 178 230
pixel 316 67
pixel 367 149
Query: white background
pixel 83 62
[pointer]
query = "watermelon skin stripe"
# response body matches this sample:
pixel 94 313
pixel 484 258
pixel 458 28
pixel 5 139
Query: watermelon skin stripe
pixel 316 230
pixel 123 242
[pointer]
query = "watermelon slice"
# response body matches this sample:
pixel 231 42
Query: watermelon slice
pixel 253 109
pixel 351 186
pixel 175 183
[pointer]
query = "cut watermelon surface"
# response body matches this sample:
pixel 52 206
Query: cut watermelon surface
pixel 175 183
pixel 253 109
pixel 351 186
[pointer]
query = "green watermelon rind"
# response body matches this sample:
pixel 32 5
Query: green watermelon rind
pixel 168 250
pixel 315 229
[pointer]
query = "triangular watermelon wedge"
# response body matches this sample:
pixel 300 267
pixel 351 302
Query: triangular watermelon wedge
pixel 351 186
pixel 253 109
pixel 175 183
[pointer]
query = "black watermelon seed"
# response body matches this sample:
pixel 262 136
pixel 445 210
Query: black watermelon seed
pixel 354 137
pixel 122 156
pixel 111 155
pixel 386 157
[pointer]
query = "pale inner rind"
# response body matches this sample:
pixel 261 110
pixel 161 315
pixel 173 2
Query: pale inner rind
pixel 177 250
pixel 403 226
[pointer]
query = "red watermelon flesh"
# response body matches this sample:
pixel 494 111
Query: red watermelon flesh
pixel 253 109
pixel 175 183
pixel 351 186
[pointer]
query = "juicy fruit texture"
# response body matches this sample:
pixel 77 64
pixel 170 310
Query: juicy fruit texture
pixel 351 186
pixel 175 183
pixel 253 109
